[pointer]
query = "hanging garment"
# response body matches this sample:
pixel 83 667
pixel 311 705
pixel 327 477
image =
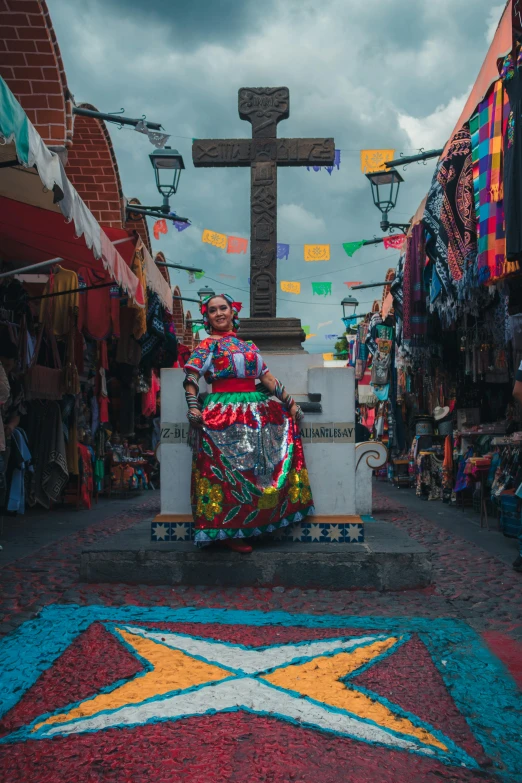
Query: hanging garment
pixel 149 398
pixel 60 311
pixel 46 439
pixel 129 349
pixel 20 461
pixel 381 368
pixel 249 474
pixel 99 314
pixel 140 321
pixel 87 484
pixel 5 391
pixel 154 337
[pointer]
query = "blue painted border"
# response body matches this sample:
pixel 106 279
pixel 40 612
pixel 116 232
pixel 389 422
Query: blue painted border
pixel 479 684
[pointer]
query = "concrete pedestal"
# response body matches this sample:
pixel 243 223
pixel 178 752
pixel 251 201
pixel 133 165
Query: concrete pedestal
pixel 274 335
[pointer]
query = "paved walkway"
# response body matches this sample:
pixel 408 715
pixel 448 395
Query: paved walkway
pixel 325 686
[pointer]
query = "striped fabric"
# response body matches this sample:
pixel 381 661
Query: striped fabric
pixel 486 128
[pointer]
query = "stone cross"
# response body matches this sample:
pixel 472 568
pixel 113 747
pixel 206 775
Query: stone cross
pixel 263 107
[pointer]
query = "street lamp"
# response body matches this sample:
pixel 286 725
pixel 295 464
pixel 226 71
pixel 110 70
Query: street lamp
pixel 204 292
pixel 385 189
pixel 349 301
pixel 167 164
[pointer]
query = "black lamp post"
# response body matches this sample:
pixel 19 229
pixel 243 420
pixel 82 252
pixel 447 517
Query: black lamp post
pixel 204 292
pixel 167 164
pixel 385 189
pixel 349 301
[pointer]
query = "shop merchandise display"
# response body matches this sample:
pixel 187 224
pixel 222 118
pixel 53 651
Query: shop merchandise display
pixel 79 388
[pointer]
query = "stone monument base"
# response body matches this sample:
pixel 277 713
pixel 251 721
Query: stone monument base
pixel 276 335
pixel 387 560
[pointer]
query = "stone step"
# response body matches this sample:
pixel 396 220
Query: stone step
pixel 387 560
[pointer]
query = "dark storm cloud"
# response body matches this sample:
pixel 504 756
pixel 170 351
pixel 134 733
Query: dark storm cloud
pixel 192 21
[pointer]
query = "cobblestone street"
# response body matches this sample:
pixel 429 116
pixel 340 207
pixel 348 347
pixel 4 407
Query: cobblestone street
pixel 473 587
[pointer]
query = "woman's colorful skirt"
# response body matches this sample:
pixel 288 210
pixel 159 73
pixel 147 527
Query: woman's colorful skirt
pixel 249 475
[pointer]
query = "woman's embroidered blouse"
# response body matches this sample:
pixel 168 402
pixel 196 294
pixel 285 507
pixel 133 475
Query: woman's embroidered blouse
pixel 226 357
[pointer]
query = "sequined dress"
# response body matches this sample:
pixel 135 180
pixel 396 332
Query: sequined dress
pixel 249 475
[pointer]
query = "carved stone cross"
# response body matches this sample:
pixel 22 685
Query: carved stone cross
pixel 264 107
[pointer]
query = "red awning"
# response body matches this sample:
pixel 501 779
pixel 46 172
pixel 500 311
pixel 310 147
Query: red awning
pixel 30 234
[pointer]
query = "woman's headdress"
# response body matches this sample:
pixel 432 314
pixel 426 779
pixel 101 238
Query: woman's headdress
pixel 236 309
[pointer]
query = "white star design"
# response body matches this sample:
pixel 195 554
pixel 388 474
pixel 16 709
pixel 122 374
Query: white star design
pixel 297 532
pixel 161 531
pixel 315 531
pixel 334 532
pixel 305 683
pixel 353 532
pixel 180 531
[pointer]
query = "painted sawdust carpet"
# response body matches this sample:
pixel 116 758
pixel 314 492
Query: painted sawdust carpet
pixel 104 693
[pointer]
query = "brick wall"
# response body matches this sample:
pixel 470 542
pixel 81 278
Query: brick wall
pixel 179 317
pixel 188 338
pixel 163 269
pixel 31 64
pixel 93 170
pixel 139 225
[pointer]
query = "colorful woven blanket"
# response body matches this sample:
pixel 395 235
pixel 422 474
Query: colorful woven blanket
pixel 487 127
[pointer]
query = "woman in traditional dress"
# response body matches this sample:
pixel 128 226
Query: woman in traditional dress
pixel 248 474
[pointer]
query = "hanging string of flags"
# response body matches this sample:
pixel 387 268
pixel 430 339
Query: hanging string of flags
pixel 311 253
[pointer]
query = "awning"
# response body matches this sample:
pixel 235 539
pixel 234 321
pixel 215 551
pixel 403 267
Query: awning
pixel 32 226
pixel 501 45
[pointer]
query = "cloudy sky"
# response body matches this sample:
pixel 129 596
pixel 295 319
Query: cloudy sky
pixel 370 73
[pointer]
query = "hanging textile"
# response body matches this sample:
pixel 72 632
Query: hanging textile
pixel 99 308
pixel 512 80
pixel 61 310
pixel 450 214
pixel 486 143
pixel 86 475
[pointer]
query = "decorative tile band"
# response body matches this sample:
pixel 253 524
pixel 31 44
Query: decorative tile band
pixel 309 532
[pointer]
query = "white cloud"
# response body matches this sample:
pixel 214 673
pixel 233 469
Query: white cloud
pixel 493 19
pixel 297 223
pixel 433 131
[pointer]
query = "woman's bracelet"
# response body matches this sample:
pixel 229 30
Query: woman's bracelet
pixel 288 402
pixel 192 400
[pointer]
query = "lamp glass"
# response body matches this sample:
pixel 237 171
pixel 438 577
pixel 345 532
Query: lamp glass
pixel 167 165
pixel 349 301
pixel 385 188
